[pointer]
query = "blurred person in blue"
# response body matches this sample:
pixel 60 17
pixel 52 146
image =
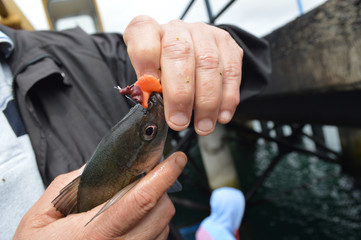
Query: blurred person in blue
pixel 227 209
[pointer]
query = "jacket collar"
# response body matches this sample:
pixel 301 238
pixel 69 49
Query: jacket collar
pixel 6 45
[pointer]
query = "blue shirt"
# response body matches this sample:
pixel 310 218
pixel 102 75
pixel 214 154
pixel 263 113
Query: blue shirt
pixel 20 181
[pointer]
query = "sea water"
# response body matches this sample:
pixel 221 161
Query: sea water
pixel 304 197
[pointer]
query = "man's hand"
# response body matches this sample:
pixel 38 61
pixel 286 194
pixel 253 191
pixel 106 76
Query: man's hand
pixel 143 213
pixel 199 65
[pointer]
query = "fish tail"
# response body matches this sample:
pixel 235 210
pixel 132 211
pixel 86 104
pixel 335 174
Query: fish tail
pixel 66 201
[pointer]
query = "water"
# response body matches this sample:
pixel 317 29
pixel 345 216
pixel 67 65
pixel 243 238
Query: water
pixel 303 198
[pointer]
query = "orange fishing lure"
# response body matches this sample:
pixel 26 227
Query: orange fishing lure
pixel 142 89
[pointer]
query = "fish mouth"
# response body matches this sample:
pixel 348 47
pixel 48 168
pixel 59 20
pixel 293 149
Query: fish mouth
pixel 157 99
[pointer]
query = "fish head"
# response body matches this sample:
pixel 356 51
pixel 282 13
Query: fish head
pixel 140 136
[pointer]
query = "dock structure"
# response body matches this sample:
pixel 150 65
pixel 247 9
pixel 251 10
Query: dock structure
pixel 316 75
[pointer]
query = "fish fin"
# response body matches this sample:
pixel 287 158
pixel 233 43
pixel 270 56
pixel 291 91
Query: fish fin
pixel 115 198
pixel 176 187
pixel 66 201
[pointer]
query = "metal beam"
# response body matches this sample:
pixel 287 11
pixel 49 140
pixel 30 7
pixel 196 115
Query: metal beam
pixel 187 9
pixel 209 11
pixel 223 10
pixel 211 17
pixel 329 108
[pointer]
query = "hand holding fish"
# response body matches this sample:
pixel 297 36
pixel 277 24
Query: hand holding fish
pixel 200 68
pixel 199 65
pixel 130 217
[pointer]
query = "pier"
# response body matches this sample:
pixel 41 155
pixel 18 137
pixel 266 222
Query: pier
pixel 316 77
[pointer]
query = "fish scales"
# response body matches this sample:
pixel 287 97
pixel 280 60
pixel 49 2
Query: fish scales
pixel 133 147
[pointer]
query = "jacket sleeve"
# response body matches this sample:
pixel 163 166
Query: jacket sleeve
pixel 256 69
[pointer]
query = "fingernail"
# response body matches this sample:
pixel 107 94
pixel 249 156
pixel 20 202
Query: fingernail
pixel 225 116
pixel 205 125
pixel 179 119
pixel 181 160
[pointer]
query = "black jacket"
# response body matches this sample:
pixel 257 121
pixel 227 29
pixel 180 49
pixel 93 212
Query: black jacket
pixel 64 86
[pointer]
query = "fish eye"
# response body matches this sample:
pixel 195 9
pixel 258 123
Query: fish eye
pixel 149 131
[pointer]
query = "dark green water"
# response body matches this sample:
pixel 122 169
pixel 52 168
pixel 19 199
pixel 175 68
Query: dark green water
pixel 303 198
pixel 306 199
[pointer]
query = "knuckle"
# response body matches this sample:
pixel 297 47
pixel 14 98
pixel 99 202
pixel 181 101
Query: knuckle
pixel 226 38
pixel 232 72
pixel 138 23
pixel 198 25
pixel 207 102
pixel 144 201
pixel 209 97
pixel 176 48
pixel 176 22
pixel 207 61
pixel 182 93
pixel 224 35
pixel 140 20
pixel 180 96
pixel 140 50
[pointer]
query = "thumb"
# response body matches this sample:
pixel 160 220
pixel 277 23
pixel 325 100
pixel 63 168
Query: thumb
pixel 138 202
pixel 143 39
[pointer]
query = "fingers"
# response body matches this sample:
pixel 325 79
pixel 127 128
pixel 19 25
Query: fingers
pixel 209 80
pixel 164 234
pixel 143 38
pixel 231 56
pixel 140 201
pixel 200 69
pixel 218 77
pixel 178 76
pixel 161 214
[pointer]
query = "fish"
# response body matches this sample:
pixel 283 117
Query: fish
pixel 132 148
